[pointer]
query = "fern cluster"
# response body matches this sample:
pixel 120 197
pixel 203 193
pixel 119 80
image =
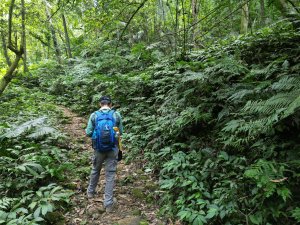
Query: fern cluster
pixel 32 166
pixel 220 127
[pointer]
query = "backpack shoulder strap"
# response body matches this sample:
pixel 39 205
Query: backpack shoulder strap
pixel 105 115
pixel 97 114
pixel 111 115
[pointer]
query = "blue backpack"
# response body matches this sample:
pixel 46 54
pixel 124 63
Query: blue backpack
pixel 103 138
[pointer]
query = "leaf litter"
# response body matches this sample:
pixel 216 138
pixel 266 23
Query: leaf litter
pixel 135 200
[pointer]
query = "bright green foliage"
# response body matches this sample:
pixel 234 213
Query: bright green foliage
pixel 296 214
pixel 30 161
pixel 221 127
pixel 213 114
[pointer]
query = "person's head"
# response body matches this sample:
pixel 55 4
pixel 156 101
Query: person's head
pixel 105 100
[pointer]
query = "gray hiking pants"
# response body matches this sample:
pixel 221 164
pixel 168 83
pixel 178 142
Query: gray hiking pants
pixel 110 159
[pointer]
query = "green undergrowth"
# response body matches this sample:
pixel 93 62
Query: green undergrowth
pixel 220 127
pixel 34 163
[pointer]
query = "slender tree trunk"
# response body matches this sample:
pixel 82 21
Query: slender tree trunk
pixel 4 81
pixel 163 12
pixel 66 36
pixel 24 37
pixel 48 49
pixel 53 33
pixel 39 38
pixel 3 42
pixel 245 18
pixel 4 47
pixel 154 24
pixel 262 13
pixel 25 59
pixel 170 11
pixel 176 27
pixel 194 19
pixel 184 29
pixel 158 16
pixel 16 39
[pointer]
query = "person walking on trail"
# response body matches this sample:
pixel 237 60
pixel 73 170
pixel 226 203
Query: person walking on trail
pixel 102 126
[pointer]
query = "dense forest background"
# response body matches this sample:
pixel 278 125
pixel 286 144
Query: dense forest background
pixel 209 91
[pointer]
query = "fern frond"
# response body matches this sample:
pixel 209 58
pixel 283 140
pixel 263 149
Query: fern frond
pixel 249 129
pixel 267 71
pixel 190 76
pixel 293 107
pixel 296 214
pixel 42 131
pixel 240 94
pixel 227 66
pixel 6 202
pixel 264 173
pixel 262 167
pixel 271 105
pixel 286 83
pixel 17 131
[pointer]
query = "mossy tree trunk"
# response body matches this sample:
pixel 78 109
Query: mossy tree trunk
pixel 9 74
pixel 18 52
pixel 53 33
pixel 262 13
pixel 4 48
pixel 245 18
pixel 24 38
pixel 68 46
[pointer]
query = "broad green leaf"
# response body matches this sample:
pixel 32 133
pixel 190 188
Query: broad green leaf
pixel 37 212
pixel 32 205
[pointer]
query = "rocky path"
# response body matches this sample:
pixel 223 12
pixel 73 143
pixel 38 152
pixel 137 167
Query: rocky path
pixel 135 190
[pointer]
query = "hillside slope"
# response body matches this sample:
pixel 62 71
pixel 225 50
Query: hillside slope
pixel 220 127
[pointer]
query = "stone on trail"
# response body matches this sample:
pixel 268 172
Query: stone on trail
pixel 134 220
pixel 94 211
pixel 138 193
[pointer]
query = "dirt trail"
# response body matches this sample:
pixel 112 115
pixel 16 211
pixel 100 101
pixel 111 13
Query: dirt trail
pixel 133 188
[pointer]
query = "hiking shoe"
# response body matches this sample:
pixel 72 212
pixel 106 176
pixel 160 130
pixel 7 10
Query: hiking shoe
pixel 111 207
pixel 90 195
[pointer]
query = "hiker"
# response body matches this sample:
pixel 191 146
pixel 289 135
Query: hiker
pixel 100 129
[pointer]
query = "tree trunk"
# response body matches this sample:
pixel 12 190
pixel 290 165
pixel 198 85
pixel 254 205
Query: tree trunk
pixel 3 42
pixel 158 17
pixel 4 47
pixel 23 43
pixel 194 19
pixel 176 27
pixel 183 52
pixel 18 52
pixel 245 18
pixel 53 33
pixel 25 69
pixel 9 74
pixel 39 38
pixel 67 36
pixel 163 13
pixel 262 13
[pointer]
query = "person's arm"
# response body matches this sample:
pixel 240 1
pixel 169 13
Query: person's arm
pixel 90 126
pixel 119 122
